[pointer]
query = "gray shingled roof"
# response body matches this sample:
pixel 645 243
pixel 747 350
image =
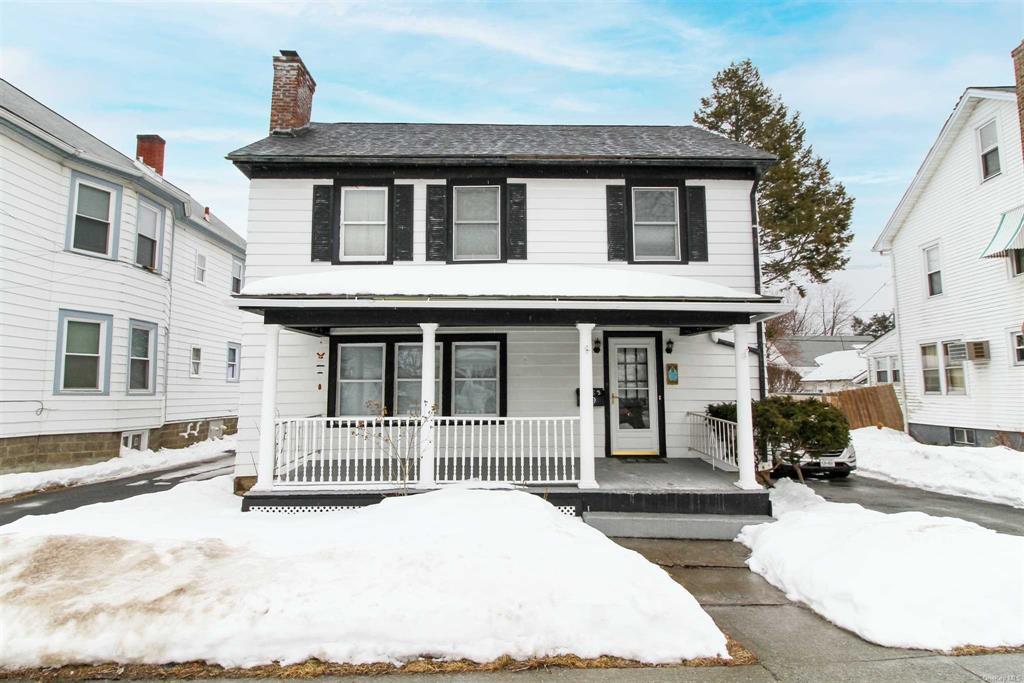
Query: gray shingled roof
pixel 523 143
pixel 90 149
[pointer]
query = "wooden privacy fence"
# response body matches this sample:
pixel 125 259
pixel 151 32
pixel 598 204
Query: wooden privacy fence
pixel 869 406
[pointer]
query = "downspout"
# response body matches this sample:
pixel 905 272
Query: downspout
pixel 899 342
pixel 170 316
pixel 762 381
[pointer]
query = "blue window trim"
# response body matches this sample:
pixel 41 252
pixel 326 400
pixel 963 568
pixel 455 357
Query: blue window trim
pixel 115 219
pixel 238 363
pixel 154 331
pixel 162 213
pixel 106 345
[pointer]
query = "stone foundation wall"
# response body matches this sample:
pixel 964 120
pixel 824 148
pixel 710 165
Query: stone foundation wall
pixel 52 451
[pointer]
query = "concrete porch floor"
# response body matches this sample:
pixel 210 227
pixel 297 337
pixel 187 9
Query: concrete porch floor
pixel 661 474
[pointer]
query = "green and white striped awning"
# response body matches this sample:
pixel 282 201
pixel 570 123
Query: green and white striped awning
pixel 1009 233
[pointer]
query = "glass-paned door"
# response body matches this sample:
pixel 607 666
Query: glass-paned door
pixel 634 397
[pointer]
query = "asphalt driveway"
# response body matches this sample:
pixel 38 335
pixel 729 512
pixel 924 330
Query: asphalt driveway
pixel 882 496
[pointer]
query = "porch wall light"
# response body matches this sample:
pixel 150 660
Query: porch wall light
pixel 596 345
pixel 669 345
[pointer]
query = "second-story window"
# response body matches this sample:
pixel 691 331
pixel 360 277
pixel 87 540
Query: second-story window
pixel 93 219
pixel 988 139
pixel 364 224
pixel 200 268
pixel 147 240
pixel 933 270
pixel 655 224
pixel 237 276
pixel 476 223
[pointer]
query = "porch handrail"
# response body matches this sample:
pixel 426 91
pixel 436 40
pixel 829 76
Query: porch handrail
pixel 714 439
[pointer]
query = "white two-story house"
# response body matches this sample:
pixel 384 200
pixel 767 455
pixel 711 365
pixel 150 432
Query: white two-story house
pixel 449 292
pixel 117 327
pixel 956 245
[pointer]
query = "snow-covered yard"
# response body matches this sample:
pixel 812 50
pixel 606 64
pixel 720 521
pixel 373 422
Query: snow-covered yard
pixel 128 464
pixel 994 474
pixel 900 580
pixel 184 575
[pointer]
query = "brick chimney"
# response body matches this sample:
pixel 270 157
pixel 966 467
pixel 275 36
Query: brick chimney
pixel 1018 71
pixel 291 100
pixel 149 149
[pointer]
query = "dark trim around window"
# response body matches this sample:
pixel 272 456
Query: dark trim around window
pixel 502 216
pixel 387 183
pixel 657 182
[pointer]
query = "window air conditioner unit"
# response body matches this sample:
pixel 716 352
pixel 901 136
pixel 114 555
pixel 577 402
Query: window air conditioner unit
pixel 957 351
pixel 977 351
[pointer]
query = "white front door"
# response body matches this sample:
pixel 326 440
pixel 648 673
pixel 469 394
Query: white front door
pixel 633 383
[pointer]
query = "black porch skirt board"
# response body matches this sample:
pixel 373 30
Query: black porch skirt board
pixel 672 502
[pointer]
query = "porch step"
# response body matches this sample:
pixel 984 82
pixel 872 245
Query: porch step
pixel 667 525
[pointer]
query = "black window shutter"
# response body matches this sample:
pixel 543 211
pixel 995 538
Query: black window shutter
pixel 615 196
pixel 437 223
pixel 320 238
pixel 516 220
pixel 696 223
pixel 401 232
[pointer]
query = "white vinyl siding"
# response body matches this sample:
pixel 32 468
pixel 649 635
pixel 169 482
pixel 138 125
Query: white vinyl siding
pixel 364 224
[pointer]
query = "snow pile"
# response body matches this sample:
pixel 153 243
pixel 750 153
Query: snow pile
pixel 495 279
pixel 901 580
pixel 838 365
pixel 185 575
pixel 128 464
pixel 994 474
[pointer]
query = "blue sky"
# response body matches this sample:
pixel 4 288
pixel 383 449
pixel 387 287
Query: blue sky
pixel 873 81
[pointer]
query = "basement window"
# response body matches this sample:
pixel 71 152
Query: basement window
pixel 963 436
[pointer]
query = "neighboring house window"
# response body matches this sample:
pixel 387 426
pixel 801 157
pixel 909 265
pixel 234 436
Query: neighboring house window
pixel 141 356
pixel 475 378
pixel 988 139
pixel 237 276
pixel 1017 343
pixel 147 242
pixel 195 361
pixel 234 355
pixel 887 370
pixel 83 354
pixel 364 224
pixel 408 371
pixel 93 220
pixel 200 268
pixel 360 379
pixel 1017 261
pixel 655 224
pixel 953 354
pixel 477 223
pixel 930 369
pixel 932 267
pixel 963 436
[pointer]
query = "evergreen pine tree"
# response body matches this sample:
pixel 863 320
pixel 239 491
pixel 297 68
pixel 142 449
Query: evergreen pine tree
pixel 803 211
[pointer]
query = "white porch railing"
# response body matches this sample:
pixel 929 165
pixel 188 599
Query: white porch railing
pixel 524 450
pixel 714 439
pixel 384 452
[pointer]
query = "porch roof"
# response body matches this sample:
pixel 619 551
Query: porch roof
pixel 497 280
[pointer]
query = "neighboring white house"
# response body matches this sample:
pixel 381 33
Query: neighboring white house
pixel 116 320
pixel 956 246
pixel 791 359
pixel 835 371
pixel 486 276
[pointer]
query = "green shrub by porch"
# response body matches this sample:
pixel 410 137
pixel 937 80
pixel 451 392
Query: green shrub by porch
pixel 809 426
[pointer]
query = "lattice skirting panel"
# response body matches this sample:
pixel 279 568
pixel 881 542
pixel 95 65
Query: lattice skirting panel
pixel 569 510
pixel 293 509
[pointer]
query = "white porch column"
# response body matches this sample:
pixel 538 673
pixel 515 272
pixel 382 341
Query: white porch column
pixel 744 417
pixel 587 478
pixel 427 400
pixel 268 409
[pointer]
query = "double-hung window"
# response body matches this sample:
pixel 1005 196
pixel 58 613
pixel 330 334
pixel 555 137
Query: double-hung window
pixel 408 373
pixel 237 276
pixel 942 366
pixel 364 224
pixel 141 357
pixel 360 380
pixel 953 356
pixel 195 361
pixel 83 353
pixel 656 224
pixel 147 241
pixel 933 270
pixel 234 355
pixel 476 223
pixel 887 370
pixel 475 378
pixel 93 218
pixel 1017 347
pixel 930 369
pixel 988 141
pixel 200 268
pixel 1017 262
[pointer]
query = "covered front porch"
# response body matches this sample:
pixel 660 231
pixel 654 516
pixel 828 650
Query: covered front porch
pixel 444 416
